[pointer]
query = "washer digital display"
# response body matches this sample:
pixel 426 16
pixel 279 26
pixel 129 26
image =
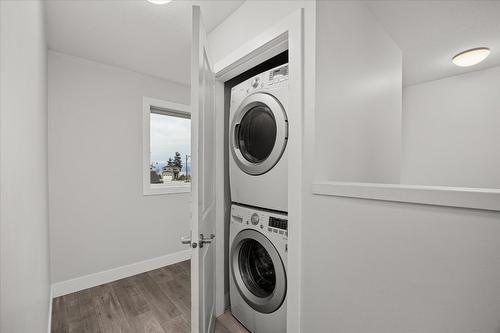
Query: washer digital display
pixel 278 223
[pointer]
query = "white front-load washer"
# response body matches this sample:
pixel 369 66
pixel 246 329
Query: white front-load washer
pixel 258 135
pixel 257 268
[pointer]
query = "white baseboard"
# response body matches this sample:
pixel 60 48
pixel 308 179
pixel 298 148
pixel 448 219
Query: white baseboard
pixel 96 279
pixel 51 296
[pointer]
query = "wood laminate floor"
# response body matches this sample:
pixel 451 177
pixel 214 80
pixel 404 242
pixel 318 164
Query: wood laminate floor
pixel 158 301
pixel 226 323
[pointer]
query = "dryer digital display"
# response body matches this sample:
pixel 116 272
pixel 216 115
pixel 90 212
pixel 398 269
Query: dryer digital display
pixel 280 71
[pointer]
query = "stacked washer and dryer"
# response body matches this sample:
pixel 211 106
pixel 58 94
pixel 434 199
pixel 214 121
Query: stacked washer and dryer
pixel 258 165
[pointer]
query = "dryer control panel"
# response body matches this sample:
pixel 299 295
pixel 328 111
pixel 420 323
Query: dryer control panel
pixel 271 79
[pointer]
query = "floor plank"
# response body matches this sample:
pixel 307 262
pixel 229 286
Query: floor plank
pixel 152 302
pixel 110 315
pixel 226 323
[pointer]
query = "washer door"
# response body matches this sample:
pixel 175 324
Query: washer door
pixel 259 133
pixel 258 271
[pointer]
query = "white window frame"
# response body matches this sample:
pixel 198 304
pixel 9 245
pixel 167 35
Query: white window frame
pixel 149 103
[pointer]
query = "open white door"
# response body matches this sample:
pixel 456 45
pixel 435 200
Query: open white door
pixel 203 181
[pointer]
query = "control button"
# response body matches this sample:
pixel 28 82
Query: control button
pixel 269 229
pixel 255 82
pixel 254 219
pixel 281 232
pixel 275 230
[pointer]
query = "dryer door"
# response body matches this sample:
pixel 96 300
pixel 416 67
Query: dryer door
pixel 259 133
pixel 258 271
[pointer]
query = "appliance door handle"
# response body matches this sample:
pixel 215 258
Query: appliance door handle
pixel 237 136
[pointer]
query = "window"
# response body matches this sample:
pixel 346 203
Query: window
pixel 167 147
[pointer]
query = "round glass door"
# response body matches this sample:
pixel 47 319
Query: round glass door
pixel 259 133
pixel 256 268
pixel 258 271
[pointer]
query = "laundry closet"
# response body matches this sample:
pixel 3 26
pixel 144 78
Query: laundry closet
pixel 258 89
pixel 258 184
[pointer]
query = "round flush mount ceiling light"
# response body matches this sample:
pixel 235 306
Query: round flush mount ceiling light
pixel 160 2
pixel 471 57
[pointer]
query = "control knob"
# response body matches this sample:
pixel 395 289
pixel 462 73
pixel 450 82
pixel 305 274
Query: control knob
pixel 254 219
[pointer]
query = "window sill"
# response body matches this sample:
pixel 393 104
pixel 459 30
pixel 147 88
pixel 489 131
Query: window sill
pixel 464 197
pixel 172 189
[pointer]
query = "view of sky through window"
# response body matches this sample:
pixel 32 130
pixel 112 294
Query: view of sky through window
pixel 170 144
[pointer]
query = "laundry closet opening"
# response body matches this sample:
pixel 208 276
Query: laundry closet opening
pixel 256 186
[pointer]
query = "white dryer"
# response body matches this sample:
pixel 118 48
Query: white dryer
pixel 258 135
pixel 257 268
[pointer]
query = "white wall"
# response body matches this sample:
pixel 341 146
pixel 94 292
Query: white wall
pixel 358 96
pixel 248 21
pixel 99 218
pixel 24 258
pixel 374 266
pixel 451 131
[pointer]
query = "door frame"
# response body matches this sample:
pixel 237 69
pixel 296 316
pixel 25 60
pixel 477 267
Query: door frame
pixel 287 34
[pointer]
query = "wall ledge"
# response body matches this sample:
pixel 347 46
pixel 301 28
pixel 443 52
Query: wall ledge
pixel 463 197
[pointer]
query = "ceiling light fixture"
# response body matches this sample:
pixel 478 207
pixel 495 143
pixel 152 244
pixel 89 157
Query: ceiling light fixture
pixel 471 57
pixel 160 2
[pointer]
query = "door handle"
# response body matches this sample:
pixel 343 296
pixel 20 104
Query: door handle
pixel 187 240
pixel 237 136
pixel 206 240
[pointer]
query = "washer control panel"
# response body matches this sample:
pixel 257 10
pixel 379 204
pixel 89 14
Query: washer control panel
pixel 263 220
pixel 254 219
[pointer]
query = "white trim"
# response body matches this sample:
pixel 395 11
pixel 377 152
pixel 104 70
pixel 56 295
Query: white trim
pixel 51 297
pixel 147 188
pixel 165 189
pixel 220 201
pixel 464 197
pixel 295 27
pixel 252 53
pixel 96 279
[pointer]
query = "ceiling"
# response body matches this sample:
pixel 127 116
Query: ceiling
pixel 155 39
pixel 430 33
pixel 135 35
